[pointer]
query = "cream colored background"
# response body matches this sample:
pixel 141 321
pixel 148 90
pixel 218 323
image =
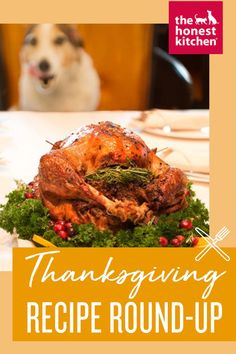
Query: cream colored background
pixel 223 176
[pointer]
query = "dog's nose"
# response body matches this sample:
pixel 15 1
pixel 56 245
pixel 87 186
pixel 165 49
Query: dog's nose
pixel 44 65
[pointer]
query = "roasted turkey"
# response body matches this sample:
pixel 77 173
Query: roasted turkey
pixel 65 186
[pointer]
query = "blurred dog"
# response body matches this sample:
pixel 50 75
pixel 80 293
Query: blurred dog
pixel 56 72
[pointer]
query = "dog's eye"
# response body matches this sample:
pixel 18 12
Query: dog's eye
pixel 33 41
pixel 30 40
pixel 60 40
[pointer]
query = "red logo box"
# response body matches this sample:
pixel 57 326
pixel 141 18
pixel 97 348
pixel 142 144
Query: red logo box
pixel 195 27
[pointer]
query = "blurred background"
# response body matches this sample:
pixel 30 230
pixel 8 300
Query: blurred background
pixel 133 63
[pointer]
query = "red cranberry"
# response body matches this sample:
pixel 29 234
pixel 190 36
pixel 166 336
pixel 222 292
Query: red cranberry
pixel 195 241
pixel 186 224
pixel 63 234
pixel 187 193
pixel 163 241
pixel 58 227
pixel 175 242
pixel 60 222
pixel 68 225
pixel 180 238
pixel 28 195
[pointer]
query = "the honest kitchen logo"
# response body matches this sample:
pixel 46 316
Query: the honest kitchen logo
pixel 195 27
pixel 196 35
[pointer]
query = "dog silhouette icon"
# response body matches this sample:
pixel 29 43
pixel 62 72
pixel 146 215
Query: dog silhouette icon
pixel 211 18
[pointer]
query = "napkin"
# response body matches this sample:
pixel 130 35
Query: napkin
pixel 8 240
pixel 188 160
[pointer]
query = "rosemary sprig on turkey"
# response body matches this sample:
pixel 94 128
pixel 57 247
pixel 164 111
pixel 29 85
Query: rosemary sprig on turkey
pixel 121 174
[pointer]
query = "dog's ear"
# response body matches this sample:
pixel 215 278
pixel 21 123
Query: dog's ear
pixel 27 30
pixel 72 34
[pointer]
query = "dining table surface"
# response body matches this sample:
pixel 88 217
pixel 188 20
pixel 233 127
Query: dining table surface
pixel 26 136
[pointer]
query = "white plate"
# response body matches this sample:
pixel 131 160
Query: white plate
pixel 179 134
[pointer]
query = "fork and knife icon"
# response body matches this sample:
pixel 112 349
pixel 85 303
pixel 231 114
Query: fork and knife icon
pixel 212 243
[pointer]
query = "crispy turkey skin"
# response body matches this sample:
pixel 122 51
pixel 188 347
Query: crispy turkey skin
pixel 65 191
